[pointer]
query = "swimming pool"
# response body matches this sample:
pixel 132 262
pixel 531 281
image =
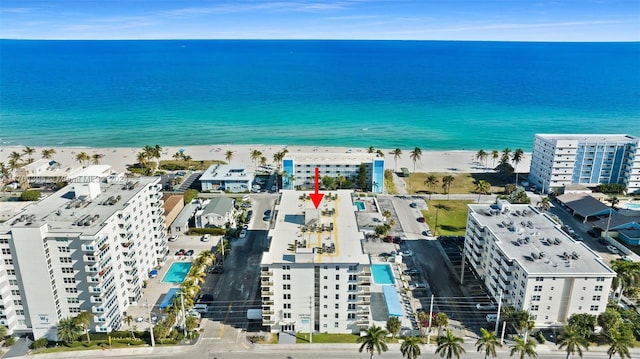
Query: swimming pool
pixel 633 206
pixel 360 205
pixel 382 274
pixel 177 272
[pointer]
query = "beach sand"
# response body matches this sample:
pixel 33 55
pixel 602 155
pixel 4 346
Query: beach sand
pixel 119 158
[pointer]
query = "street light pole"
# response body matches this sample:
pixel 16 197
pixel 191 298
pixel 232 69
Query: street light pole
pixel 184 318
pixel 153 340
pixel 436 229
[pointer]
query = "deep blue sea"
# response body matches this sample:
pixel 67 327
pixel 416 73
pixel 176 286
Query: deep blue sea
pixel 438 95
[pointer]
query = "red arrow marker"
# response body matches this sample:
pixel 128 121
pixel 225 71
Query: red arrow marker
pixel 316 197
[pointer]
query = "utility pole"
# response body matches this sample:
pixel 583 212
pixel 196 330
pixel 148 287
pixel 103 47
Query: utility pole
pixel 498 315
pixel 153 340
pixel 311 319
pixel 606 232
pixel 464 247
pixel 184 318
pixel 430 318
pixel 436 229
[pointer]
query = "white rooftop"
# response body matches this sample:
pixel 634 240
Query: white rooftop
pixel 591 137
pixel 331 158
pixel 226 173
pixel 64 213
pixel 304 234
pixel 524 234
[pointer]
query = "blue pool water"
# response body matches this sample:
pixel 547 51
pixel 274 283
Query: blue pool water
pixel 177 272
pixel 634 206
pixel 382 274
pixel 360 206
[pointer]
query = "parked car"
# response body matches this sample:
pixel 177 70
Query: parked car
pixel 419 286
pixel 206 237
pixel 594 233
pixel 267 212
pixel 189 252
pixel 413 205
pixel 172 238
pixel 613 249
pixel 266 218
pixel 489 306
pixel 243 233
pixel 388 239
pixel 421 219
pixel 180 252
pixel 411 271
pixel 406 253
pixel 216 270
pixel 491 318
pixel 205 298
pixel 427 233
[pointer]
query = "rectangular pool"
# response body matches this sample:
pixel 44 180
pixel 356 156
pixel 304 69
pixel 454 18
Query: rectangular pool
pixel 177 272
pixel 382 274
pixel 360 205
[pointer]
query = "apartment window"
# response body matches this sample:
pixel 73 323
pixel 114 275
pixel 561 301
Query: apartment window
pixel 351 316
pixel 337 286
pixel 286 296
pixel 537 288
pixel 534 308
pixel 287 315
pixel 535 298
pixel 352 277
pixel 4 241
pixel 325 316
pixel 20 312
pixel 67 270
pixel 63 249
pixel 326 306
pixel 337 325
pixel 351 297
pixel 352 287
pixel 337 315
pixel 8 262
pixel 593 308
pixel 74 310
pixel 351 306
pixel 6 251
pixel 337 296
pixel 73 300
pixel 17 302
pixel 65 259
pixel 326 287
pixel 13 282
pixel 15 292
pixel 337 306
pixel 596 298
pixel 286 267
pixel 286 276
pixel 286 286
pixel 69 280
pixel 325 297
pixel 600 279
pixel 598 288
pixel 11 271
pixel 539 279
pixel 71 290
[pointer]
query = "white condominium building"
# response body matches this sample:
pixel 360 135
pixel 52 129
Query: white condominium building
pixel 559 160
pixel 87 247
pixel 524 254
pixel 300 168
pixel 315 275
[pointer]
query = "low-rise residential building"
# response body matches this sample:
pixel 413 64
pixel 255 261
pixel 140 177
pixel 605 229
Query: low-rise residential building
pixel 172 206
pixel 523 256
pixel 87 247
pixel 315 275
pixel 226 178
pixel 216 212
pixel 299 169
pixel 593 159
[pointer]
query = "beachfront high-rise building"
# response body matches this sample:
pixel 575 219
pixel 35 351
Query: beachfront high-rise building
pixel 560 160
pixel 87 247
pixel 524 255
pixel 315 275
pixel 300 169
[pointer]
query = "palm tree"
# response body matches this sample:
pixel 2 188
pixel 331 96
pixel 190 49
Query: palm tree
pixel 627 274
pixel 207 257
pixel 255 156
pixel 29 151
pixel 523 348
pixel 397 153
pixel 614 201
pixel 544 204
pixel 415 156
pixel 82 157
pixel 482 157
pixel 482 187
pixel 177 156
pixel 340 179
pixel 431 182
pixel 143 159
pixel 263 160
pixel 48 153
pixel 446 183
pixel 410 348
pixel 278 157
pixel 228 156
pixel 373 341
pixel 506 153
pixel 68 329
pixel 573 340
pixel 488 342
pixel 15 157
pixel 95 158
pixel 379 153
pixel 495 155
pixel 449 346
pixel 441 321
pixel 83 320
pixel 3 331
pixel 157 154
pixel 128 320
pixel 371 149
pixel 516 158
pixel 188 159
pixel 620 342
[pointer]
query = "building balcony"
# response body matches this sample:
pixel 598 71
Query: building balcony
pixel 95 299
pixel 364 281
pixel 364 292
pixel 267 302
pixel 365 272
pixel 268 322
pixel 97 310
pixel 363 311
pixel 266 273
pixel 89 258
pixel 363 301
pixel 362 321
pixel 266 293
pixel 266 284
pixel 268 312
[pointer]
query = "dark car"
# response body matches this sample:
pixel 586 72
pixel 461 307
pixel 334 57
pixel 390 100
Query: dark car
pixel 388 239
pixel 267 213
pixel 397 240
pixel 594 233
pixel 421 219
pixel 180 252
pixel 216 270
pixel 413 205
pixel 189 252
pixel 411 271
pixel 205 298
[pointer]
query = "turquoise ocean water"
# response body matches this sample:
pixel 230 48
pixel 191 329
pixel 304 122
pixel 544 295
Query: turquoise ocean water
pixel 435 95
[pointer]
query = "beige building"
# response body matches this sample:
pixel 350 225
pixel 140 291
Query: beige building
pixel 172 206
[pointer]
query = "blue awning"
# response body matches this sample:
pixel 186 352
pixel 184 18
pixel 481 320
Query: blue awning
pixel 166 301
pixel 394 308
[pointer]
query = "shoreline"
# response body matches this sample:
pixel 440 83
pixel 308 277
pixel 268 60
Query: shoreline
pixel 454 161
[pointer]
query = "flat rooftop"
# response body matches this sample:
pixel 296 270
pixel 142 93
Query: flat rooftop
pixel 66 214
pixel 591 137
pixel 331 158
pixel 524 234
pixel 304 234
pixel 226 173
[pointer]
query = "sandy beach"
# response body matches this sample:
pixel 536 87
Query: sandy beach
pixel 119 158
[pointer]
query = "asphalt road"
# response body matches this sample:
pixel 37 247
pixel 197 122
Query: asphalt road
pixel 408 216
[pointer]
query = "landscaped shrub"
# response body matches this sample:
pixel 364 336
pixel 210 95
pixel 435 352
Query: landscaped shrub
pixel 30 195
pixel 39 343
pixel 211 231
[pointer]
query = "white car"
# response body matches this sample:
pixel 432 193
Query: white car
pixel 613 249
pixel 173 238
pixel 491 318
pixel 406 253
pixel 243 233
pixel 206 237
pixel 489 306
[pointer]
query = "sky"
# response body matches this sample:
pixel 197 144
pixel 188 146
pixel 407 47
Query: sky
pixel 477 20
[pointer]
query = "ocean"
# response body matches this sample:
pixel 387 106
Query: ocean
pixel 437 95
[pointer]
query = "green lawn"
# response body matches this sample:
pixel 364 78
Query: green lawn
pixel 463 182
pixel 452 217
pixel 333 338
